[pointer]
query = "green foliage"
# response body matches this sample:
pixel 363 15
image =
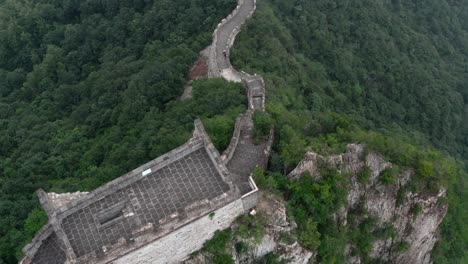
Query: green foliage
pixel 403 246
pixel 416 210
pixel 425 169
pixel 223 259
pixel 88 91
pixel 387 231
pixel 332 244
pixel 262 125
pixel 223 97
pixel 270 258
pixel 363 237
pixel 264 181
pixel 219 247
pixel 306 63
pixel 452 247
pixel 211 215
pixel 400 105
pixel 287 237
pixel 220 130
pixel 259 177
pixel 35 220
pixel 364 175
pixel 292 146
pixel 387 176
pixel 250 227
pixel 309 236
pixel 311 204
pixel 218 103
pixel 241 247
pixel 219 243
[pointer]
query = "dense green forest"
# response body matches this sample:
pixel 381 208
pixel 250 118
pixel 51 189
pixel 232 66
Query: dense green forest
pixel 391 74
pixel 89 89
pixel 88 92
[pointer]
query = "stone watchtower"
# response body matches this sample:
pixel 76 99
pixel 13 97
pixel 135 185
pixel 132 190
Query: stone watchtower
pixel 158 213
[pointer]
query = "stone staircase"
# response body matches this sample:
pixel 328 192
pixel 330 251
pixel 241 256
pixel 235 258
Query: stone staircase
pixel 247 156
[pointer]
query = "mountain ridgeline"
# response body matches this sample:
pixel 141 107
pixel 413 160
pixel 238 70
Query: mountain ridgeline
pixel 388 64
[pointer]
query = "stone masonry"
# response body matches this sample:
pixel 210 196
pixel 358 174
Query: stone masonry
pixel 167 208
pixel 170 247
pixel 152 205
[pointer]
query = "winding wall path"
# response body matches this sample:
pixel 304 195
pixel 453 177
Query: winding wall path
pixel 243 155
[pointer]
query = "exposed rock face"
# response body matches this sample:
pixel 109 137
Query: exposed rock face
pixel 414 233
pixel 418 230
pixel 277 227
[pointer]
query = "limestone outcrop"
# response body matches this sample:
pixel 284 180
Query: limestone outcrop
pixel 414 216
pixel 278 238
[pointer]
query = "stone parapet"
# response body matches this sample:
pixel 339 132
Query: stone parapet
pixel 240 122
pixel 130 177
pixel 31 248
pixel 250 199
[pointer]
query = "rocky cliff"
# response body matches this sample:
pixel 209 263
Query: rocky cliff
pixel 408 219
pixel 414 216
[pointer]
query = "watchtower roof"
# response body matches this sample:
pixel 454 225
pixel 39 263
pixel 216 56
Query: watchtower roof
pixel 136 208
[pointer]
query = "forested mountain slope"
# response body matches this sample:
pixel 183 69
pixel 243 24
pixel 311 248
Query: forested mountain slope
pixel 87 93
pixel 335 69
pixel 386 63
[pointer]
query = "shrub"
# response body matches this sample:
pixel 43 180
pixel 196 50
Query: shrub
pixel 364 175
pixel 220 130
pixel 309 235
pixel 387 176
pixel 363 236
pixel 401 194
pixel 262 125
pixel 270 258
pixel 425 169
pixel 402 246
pixel 223 259
pixel 259 177
pixel 287 238
pixel 36 219
pixel 241 247
pixel 211 215
pixel 416 210
pixel 218 243
pixel 249 226
pixel 386 232
pixel 263 181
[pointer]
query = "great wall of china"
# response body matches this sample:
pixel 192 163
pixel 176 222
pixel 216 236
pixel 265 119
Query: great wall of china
pixel 167 208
